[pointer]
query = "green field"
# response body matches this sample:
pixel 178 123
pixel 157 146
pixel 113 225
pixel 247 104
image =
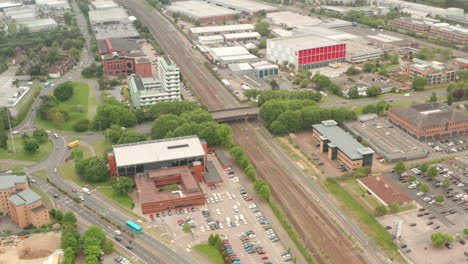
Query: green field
pixel 40 154
pixel 101 147
pixel 16 167
pixel 210 252
pixel 123 200
pixel 67 171
pixel 368 223
pixel 41 174
pixel 83 96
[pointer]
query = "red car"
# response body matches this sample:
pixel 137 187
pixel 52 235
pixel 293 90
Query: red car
pixel 74 190
pixel 152 216
pixel 248 199
pixel 264 258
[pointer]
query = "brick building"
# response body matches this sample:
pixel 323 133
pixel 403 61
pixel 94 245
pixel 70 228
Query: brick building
pixel 415 25
pixel 23 205
pixel 435 72
pixel 455 34
pixel 115 64
pixel 384 191
pixel 429 121
pixel 341 146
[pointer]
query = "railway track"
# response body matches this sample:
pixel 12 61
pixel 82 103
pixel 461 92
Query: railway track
pixel 318 228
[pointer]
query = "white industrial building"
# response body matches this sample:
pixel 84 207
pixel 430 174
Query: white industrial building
pixel 431 10
pixel 149 91
pixel 244 6
pixel 126 31
pixel 229 55
pixel 52 8
pixel 263 69
pixel 40 24
pixel 20 13
pixel 8 4
pixel 211 40
pixel 221 30
pixel 244 36
pixel 101 5
pixel 289 19
pixel 201 11
pixel 11 96
pixel 240 68
pixel 109 16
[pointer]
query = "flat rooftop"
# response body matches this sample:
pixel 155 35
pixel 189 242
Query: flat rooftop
pixel 103 4
pixel 263 65
pixel 226 28
pixel 212 175
pixel 344 141
pixel 292 19
pixel 251 6
pixel 229 51
pixel 242 35
pixel 7 90
pixel 303 42
pixel 149 193
pixel 117 44
pixel 158 151
pixel 115 31
pixel 199 9
pixel 27 196
pixel 105 15
pixel 9 181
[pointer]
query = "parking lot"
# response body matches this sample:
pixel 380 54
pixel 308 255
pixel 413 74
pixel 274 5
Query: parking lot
pixel 452 145
pixel 230 212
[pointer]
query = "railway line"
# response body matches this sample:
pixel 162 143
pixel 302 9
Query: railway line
pixel 321 228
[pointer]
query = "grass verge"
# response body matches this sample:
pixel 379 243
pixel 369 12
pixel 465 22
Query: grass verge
pixel 46 198
pixel 21 154
pixel 16 167
pixel 123 200
pixel 373 229
pixel 358 109
pixel 67 171
pixel 210 252
pixel 41 174
pixel 101 147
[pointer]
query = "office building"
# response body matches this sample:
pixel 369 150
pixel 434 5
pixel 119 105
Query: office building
pixel 341 146
pixel 416 25
pixel 430 121
pixel 435 72
pixel 455 34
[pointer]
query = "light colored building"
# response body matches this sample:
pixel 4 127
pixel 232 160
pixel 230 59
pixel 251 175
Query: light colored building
pixel 23 205
pixel 9 4
pixel 211 40
pixel 221 30
pixel 430 121
pixel 455 34
pixel 12 97
pixel 341 146
pixel 201 11
pixel 384 191
pixel 305 51
pixel 40 24
pixel 20 13
pixel 99 5
pixel 169 75
pixel 263 69
pixel 245 36
pixel 108 16
pixel 240 68
pixel 243 6
pixel 126 31
pixel 289 19
pixel 435 72
pixel 230 55
pixel 52 8
pixel 416 25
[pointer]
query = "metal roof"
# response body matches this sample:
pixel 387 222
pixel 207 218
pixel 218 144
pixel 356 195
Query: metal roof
pixel 344 141
pixel 242 35
pixel 226 28
pixel 158 151
pixel 302 42
pixel 199 9
pixel 107 15
pixel 104 4
pixel 245 5
pixel 212 175
pixel 27 196
pixel 9 181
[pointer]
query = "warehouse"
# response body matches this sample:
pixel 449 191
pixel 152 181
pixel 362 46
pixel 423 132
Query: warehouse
pixel 243 6
pixel 109 16
pixel 20 13
pixel 129 159
pixel 228 55
pixel 220 30
pixel 305 51
pixel 263 69
pixel 341 146
pixel 125 31
pixel 201 11
pixel 289 19
pixel 240 68
pixel 100 5
pixel 40 24
pixel 246 36
pixel 429 121
pixel 210 40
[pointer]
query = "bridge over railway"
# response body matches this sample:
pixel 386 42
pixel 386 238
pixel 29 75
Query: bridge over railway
pixel 235 114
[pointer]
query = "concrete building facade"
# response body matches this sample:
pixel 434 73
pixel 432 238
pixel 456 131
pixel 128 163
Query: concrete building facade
pixel 415 25
pixel 341 146
pixel 429 121
pixel 435 72
pixel 221 30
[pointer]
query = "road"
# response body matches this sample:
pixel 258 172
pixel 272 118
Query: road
pixel 304 215
pixel 147 249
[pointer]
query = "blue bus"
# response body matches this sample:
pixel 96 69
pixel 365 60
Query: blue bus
pixel 47 84
pixel 134 227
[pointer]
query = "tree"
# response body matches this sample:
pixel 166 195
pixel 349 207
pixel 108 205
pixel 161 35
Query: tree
pixel 262 188
pixel 93 169
pixel 458 93
pixel 59 215
pixel 68 240
pixel 465 231
pixel 433 97
pixel 432 172
pixel 418 83
pixel 353 92
pixel 369 67
pixel 108 247
pixel 67 16
pixel 412 178
pixel 67 44
pixel 373 91
pixel 40 135
pixel 131 136
pixel 446 183
pixel 424 167
pixel 64 91
pixel 114 133
pixel 463 75
pixel 274 85
pixel 394 208
pixel 123 185
pixel 380 210
pixel 370 108
pixel 439 239
pixel 450 99
pixel 30 145
pixel 81 125
pixel 69 217
pixel 164 124
pixel 425 188
pixel 263 28
pixel 440 198
pixel 352 71
pixel 400 167
pixel 75 53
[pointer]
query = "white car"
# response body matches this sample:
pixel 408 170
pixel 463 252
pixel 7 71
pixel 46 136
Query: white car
pixel 420 194
pixel 433 201
pixel 426 199
pixel 202 229
pixel 55 169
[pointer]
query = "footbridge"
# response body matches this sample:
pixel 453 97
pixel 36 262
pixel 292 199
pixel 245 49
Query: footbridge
pixel 235 114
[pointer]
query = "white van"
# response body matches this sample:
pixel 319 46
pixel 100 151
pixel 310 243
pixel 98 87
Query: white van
pixel 85 190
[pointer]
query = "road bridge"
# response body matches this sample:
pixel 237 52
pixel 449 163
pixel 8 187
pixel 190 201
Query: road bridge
pixel 235 114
